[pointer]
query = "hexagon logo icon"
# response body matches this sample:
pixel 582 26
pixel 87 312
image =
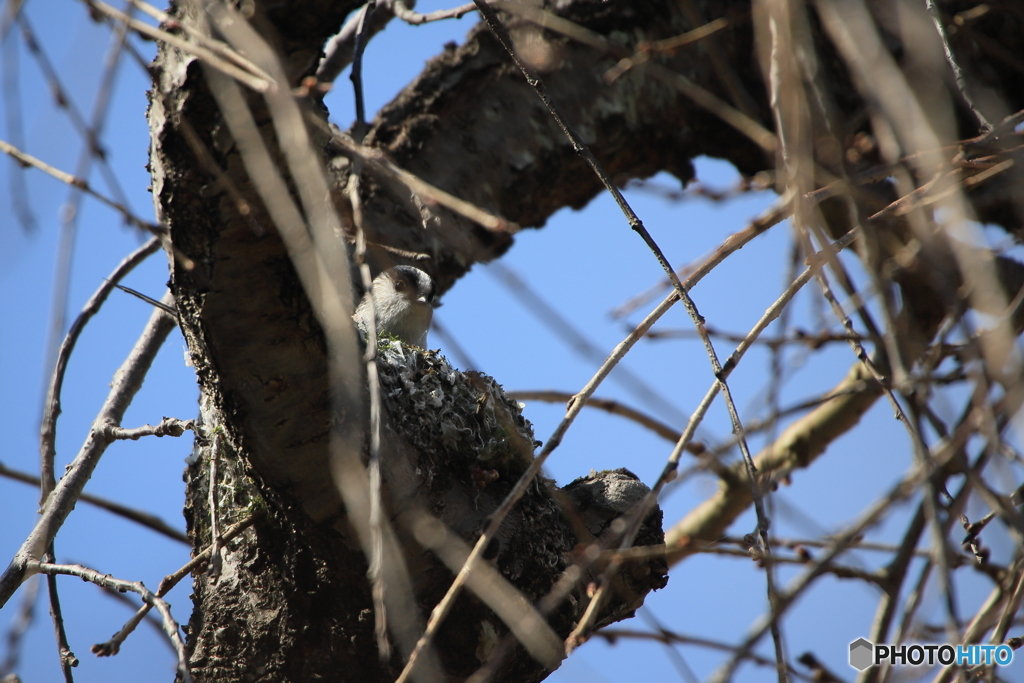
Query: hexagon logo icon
pixel 861 654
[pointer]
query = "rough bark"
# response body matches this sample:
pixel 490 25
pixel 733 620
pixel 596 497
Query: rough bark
pixel 292 601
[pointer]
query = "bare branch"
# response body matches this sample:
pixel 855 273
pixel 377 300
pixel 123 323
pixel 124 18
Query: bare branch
pixel 144 518
pixel 611 406
pixel 217 47
pixel 48 430
pixel 373 468
pixel 578 341
pixel 961 83
pixel 127 381
pixel 169 426
pixel 402 11
pixel 67 658
pixel 256 81
pixel 171 627
pixel 81 184
pixel 65 101
pixel 340 49
pixel 113 646
pixel 382 167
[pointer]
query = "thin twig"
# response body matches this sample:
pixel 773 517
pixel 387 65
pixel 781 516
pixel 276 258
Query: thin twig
pixel 82 184
pixel 798 337
pixel 958 74
pixel 579 342
pixel 147 520
pixel 51 410
pixel 66 102
pixel 148 299
pixel 752 552
pixel 215 46
pixel 749 127
pixel 113 646
pixel 67 658
pixel 150 620
pixel 720 56
pixel 375 558
pixel 611 635
pixel 407 15
pixel 795 544
pixel 356 76
pixel 14 116
pixel 646 49
pixel 385 169
pixel 608 405
pixel 169 426
pixel 254 81
pixel 171 627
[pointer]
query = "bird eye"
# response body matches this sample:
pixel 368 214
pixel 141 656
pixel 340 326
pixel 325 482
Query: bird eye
pixel 399 285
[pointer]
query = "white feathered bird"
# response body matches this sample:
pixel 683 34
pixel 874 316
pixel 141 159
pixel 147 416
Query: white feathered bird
pixel 402 303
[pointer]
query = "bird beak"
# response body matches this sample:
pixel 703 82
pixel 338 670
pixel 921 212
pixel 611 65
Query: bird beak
pixel 423 300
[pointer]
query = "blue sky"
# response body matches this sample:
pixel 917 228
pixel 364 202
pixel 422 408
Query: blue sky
pixel 584 263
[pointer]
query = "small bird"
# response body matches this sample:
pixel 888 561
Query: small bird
pixel 402 303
